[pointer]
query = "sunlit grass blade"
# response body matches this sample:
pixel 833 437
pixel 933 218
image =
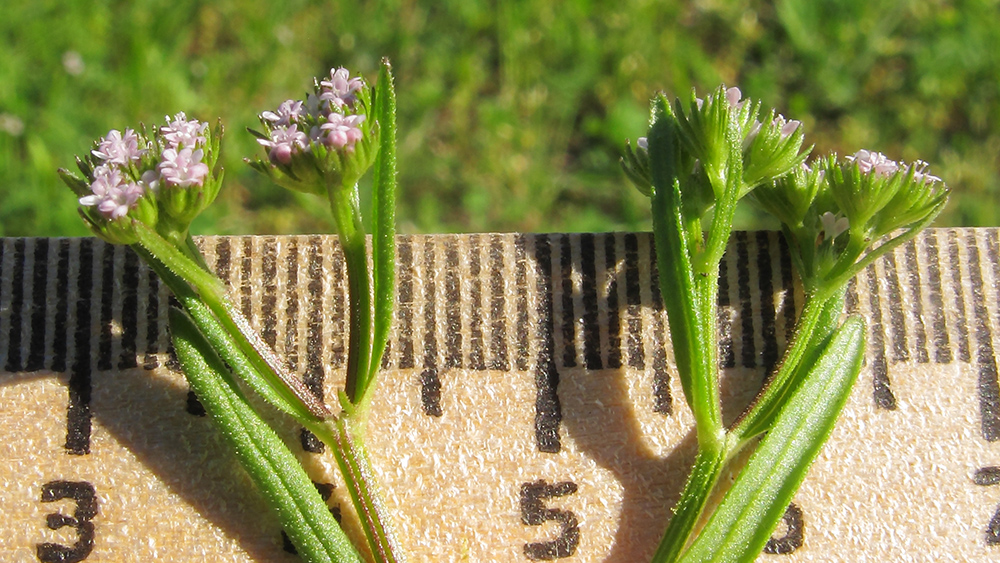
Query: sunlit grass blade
pixel 272 467
pixel 741 525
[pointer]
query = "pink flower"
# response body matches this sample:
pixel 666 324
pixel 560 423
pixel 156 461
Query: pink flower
pixel 339 90
pixel 833 225
pixel 873 163
pixel 923 177
pixel 733 96
pixel 119 149
pixel 284 142
pixel 183 168
pixel 182 132
pixel 342 131
pixel 288 112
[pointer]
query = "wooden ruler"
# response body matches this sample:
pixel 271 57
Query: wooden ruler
pixel 528 409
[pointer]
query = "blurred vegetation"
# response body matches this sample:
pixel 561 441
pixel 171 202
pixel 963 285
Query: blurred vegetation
pixel 511 114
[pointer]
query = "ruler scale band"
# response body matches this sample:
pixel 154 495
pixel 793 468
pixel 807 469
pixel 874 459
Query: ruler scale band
pixel 527 408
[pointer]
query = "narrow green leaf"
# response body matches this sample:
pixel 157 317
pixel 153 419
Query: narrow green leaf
pixel 751 509
pixel 272 467
pixel 265 383
pixel 691 329
pixel 384 221
pixel 813 332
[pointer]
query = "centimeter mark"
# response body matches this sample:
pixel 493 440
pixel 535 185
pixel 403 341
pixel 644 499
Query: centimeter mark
pixel 540 304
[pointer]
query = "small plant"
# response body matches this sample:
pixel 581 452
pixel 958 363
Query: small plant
pixel 702 157
pixel 144 190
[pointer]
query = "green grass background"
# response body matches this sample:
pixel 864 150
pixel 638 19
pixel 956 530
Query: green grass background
pixel 512 114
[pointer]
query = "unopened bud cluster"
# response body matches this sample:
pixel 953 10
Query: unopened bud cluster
pixel 834 210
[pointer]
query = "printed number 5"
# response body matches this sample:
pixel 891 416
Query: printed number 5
pixel 534 513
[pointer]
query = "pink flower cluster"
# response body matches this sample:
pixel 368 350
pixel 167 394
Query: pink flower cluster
pixel 878 164
pixel 117 185
pixel 325 117
pixel 114 193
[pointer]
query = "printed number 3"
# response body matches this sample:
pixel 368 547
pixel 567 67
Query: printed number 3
pixel 85 496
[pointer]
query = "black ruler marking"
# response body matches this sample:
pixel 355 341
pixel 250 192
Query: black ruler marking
pixel 107 292
pixel 989 387
pixel 548 410
pixel 498 306
pixel 765 283
pixel 961 323
pixel 939 327
pixel 917 302
pixel 430 383
pixel 896 307
pixel 314 375
pixel 151 359
pixel 567 316
pixel 724 315
pixel 789 310
pixel 246 279
pixel 521 333
pixel 662 397
pixel 882 393
pixel 633 303
pixel 268 284
pixel 748 356
pixel 61 312
pixel 14 335
pixel 39 306
pixel 130 310
pixel 452 305
pixel 588 297
pixel 404 302
pixel 476 359
pixel 78 423
pixel 338 308
pixel 291 312
pixel 614 346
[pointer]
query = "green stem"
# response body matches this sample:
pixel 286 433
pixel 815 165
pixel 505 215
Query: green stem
pixel 346 436
pixel 708 466
pixel 272 467
pixel 344 205
pixel 181 264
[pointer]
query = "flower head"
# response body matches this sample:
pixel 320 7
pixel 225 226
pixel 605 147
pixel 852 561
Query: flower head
pixel 288 113
pixel 340 89
pixel 119 148
pixel 183 132
pixel 322 141
pixel 283 142
pixel 184 168
pixel 113 195
pixel 873 163
pixel 163 180
pixel 342 132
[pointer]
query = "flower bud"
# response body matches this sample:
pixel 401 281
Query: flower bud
pixel 772 149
